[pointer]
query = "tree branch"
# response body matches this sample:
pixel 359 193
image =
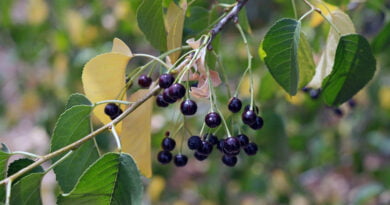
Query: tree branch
pixel 232 15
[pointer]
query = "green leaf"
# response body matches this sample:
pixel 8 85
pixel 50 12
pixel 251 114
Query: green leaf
pixel 4 148
pixel 151 22
pixel 382 41
pixel 19 164
pixel 4 156
pixel 305 61
pixel 28 190
pixel 113 179
pixel 77 99
pixel 353 68
pixel 281 47
pixel 73 125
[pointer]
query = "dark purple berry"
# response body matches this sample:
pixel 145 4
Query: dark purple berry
pixel 306 89
pixel 117 114
pixel 231 146
pixel 164 157
pixel 168 144
pixel 194 142
pixel 165 80
pixel 338 112
pixel 258 123
pixel 212 139
pixel 144 81
pixel 177 91
pixel 160 101
pixel 352 103
pixel 248 117
pixel 206 148
pixel 255 108
pixel 111 109
pixel 235 105
pixel 167 98
pixel 229 160
pixel 180 160
pixel 251 149
pixel 188 107
pixel 243 139
pixel 315 93
pixel 200 156
pixel 213 119
pixel 220 145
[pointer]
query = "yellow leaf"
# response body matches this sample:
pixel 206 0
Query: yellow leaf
pixel 120 47
pixel 37 11
pixel 326 9
pixel 384 97
pixel 174 23
pixel 136 134
pixel 155 188
pixel 104 79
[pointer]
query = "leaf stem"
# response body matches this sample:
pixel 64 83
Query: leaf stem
pixel 294 9
pixel 154 58
pixel 113 101
pixel 28 154
pixel 320 12
pixel 59 161
pixel 117 139
pixel 8 192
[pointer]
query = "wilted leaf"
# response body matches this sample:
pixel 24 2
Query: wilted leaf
pixel 175 22
pixel 27 191
pixel 281 47
pixel 353 68
pixel 113 179
pixel 136 134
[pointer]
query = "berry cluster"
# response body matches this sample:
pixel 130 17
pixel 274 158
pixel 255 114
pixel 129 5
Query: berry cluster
pixel 165 156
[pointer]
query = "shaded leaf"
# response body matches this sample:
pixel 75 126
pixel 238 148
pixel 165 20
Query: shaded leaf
pixel 305 61
pixel 151 22
pixel 353 68
pixel 71 126
pixel 19 164
pixel 4 156
pixel 382 40
pixel 113 179
pixel 175 22
pixel 28 190
pixel 136 135
pixel 77 99
pixel 281 47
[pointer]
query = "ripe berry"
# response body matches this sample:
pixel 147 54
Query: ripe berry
pixel 144 81
pixel 164 157
pixel 188 107
pixel 167 98
pixel 212 139
pixel 213 119
pixel 314 93
pixel 258 123
pixel 235 105
pixel 251 149
pixel 255 108
pixel 200 156
pixel 243 139
pixel 180 160
pixel 229 160
pixel 177 91
pixel 338 112
pixel 160 101
pixel 352 103
pixel 248 117
pixel 306 89
pixel 116 115
pixel 231 146
pixel 111 109
pixel 206 148
pixel 168 144
pixel 194 142
pixel 165 80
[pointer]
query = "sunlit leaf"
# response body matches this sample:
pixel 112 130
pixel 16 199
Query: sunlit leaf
pixel 281 47
pixel 151 22
pixel 136 134
pixel 326 9
pixel 104 79
pixel 305 62
pixel 119 46
pixel 175 22
pixel 113 179
pixel 71 126
pixel 353 68
pixel 27 191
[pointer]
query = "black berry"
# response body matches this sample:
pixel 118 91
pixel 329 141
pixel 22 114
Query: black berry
pixel 228 160
pixel 220 145
pixel 352 103
pixel 251 149
pixel 315 93
pixel 255 108
pixel 180 160
pixel 212 139
pixel 194 142
pixel 167 98
pixel 200 156
pixel 177 91
pixel 116 115
pixel 235 105
pixel 188 107
pixel 164 157
pixel 111 109
pixel 165 80
pixel 168 144
pixel 249 117
pixel 213 119
pixel 160 101
pixel 206 148
pixel 306 89
pixel 243 139
pixel 231 146
pixel 258 123
pixel 338 112
pixel 144 81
